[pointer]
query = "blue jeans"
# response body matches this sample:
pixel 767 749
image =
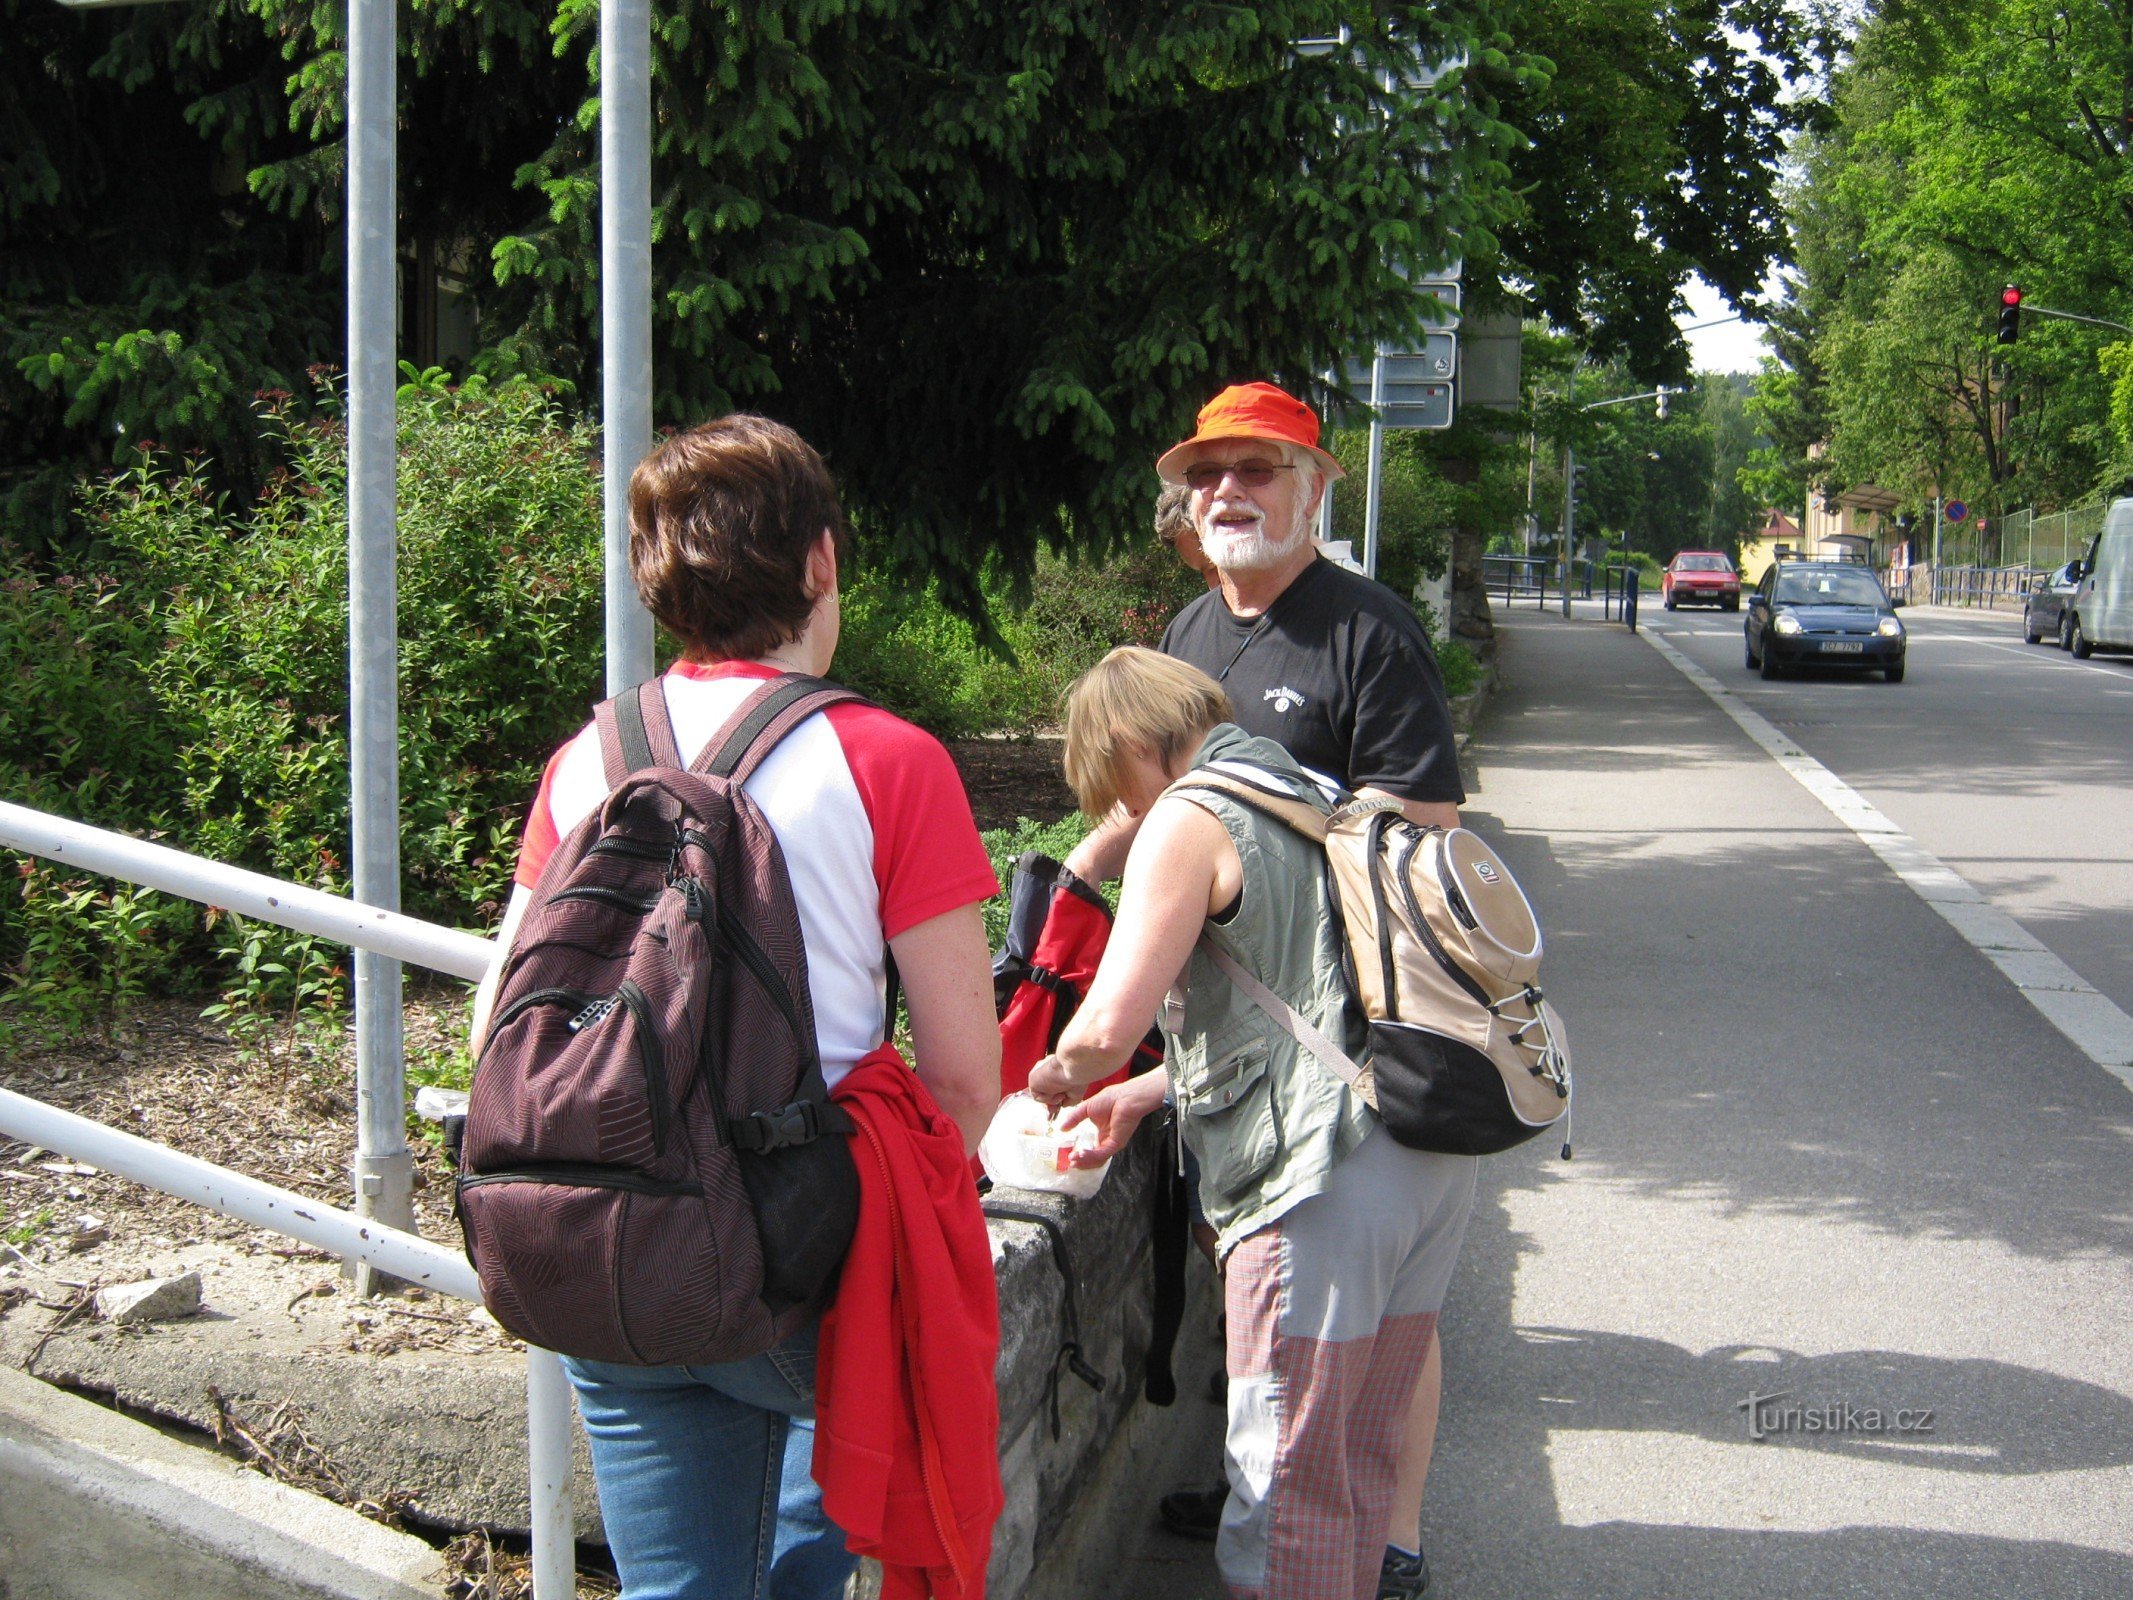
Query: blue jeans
pixel 703 1477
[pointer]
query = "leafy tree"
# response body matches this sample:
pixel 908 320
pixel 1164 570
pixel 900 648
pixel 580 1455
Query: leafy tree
pixel 1653 151
pixel 991 259
pixel 1969 145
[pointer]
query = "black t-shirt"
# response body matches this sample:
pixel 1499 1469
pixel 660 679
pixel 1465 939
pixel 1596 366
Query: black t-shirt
pixel 1339 672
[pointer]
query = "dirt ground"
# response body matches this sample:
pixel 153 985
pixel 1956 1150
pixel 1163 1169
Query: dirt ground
pixel 1013 778
pixel 272 1111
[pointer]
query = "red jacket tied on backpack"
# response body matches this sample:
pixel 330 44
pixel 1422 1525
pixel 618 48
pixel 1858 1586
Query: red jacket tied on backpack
pixel 907 1418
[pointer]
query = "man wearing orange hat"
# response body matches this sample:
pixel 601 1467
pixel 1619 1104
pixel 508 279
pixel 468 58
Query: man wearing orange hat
pixel 1338 670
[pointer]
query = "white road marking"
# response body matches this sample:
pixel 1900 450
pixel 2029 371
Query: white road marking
pixel 2065 999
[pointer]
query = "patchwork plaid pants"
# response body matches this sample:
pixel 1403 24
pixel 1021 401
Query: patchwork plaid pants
pixel 1330 1313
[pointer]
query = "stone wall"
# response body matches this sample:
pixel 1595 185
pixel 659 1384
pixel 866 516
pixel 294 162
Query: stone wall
pixel 1057 1486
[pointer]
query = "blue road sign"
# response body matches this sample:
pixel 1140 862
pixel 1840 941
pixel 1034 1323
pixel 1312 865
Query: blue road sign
pixel 1955 511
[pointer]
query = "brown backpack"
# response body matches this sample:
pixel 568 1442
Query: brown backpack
pixel 1442 954
pixel 652 1170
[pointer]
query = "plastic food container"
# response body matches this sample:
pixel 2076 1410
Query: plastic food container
pixel 1025 1149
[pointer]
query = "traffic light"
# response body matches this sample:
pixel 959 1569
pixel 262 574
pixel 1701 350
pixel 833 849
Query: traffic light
pixel 2010 314
pixel 1662 402
pixel 1577 483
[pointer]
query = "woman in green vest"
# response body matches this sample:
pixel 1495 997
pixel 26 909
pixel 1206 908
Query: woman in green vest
pixel 1336 1243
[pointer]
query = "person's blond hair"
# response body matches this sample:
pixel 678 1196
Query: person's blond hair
pixel 1134 702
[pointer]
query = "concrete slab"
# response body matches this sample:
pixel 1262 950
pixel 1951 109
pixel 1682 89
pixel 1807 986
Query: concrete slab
pixel 96 1506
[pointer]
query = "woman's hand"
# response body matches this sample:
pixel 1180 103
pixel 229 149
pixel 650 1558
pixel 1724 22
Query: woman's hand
pixel 1115 1113
pixel 1048 1082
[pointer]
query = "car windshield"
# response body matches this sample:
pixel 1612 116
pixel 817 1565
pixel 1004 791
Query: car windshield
pixel 1828 587
pixel 1702 564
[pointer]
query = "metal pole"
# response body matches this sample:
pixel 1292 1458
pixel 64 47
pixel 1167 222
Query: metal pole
pixel 384 1166
pixel 1325 500
pixel 397 1251
pixel 249 894
pixel 1570 519
pixel 549 1470
pixel 1933 583
pixel 386 1251
pixel 625 315
pixel 1374 486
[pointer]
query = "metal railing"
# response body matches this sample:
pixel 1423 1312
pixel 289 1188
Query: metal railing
pixel 403 1255
pixel 1516 577
pixel 1988 588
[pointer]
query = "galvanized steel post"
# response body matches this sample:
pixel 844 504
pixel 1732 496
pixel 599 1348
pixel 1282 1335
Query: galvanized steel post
pixel 1374 488
pixel 384 1167
pixel 625 314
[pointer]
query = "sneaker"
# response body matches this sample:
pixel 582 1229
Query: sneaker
pixel 1403 1576
pixel 1194 1513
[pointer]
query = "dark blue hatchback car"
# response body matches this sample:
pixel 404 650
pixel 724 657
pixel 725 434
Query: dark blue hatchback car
pixel 1822 614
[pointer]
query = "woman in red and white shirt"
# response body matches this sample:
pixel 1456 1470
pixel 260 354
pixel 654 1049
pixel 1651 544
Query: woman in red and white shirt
pixel 736 540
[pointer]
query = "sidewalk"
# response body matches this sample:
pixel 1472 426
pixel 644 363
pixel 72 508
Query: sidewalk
pixel 1822 1154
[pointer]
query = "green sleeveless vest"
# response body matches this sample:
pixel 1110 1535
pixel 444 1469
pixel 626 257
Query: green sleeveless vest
pixel 1267 1122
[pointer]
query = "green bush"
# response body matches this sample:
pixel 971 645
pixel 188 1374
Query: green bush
pixel 195 688
pixel 902 646
pixel 1462 672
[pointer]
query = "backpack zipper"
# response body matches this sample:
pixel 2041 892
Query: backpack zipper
pixel 606 896
pixel 757 961
pixel 1452 897
pixel 580 1175
pixel 648 1051
pixel 1429 937
pixel 579 998
pixel 632 849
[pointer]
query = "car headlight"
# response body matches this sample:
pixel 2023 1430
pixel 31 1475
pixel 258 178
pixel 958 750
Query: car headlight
pixel 1786 623
pixel 1889 628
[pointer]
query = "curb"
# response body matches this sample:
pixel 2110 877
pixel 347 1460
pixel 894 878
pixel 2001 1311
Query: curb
pixel 96 1506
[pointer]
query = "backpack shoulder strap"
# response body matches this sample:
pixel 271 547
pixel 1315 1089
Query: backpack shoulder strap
pixel 764 719
pixel 1279 803
pixel 1291 1021
pixel 636 731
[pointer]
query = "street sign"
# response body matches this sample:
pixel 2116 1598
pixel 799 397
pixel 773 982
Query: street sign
pixel 1418 384
pixel 1955 511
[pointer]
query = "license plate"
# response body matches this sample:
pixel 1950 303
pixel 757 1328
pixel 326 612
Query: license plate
pixel 1842 649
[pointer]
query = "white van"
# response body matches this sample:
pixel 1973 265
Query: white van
pixel 2102 605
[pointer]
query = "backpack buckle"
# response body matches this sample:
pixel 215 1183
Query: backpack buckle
pixel 797 1123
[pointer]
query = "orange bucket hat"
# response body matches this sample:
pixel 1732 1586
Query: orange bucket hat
pixel 1251 411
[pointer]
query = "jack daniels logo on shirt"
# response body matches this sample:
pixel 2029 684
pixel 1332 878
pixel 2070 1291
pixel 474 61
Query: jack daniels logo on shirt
pixel 1283 698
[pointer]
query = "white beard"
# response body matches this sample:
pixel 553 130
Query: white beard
pixel 1245 547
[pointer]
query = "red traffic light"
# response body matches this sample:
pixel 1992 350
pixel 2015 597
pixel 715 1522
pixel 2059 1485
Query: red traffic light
pixel 2010 314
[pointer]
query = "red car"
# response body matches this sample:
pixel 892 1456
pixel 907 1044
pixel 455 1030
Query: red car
pixel 1700 577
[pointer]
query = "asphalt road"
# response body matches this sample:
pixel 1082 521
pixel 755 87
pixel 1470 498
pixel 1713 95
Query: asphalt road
pixel 1825 1148
pixel 2011 762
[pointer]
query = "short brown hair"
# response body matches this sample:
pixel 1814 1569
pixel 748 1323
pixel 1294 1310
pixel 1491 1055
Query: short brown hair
pixel 1134 699
pixel 1173 513
pixel 722 517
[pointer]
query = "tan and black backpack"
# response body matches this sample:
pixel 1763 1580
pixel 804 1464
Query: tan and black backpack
pixel 1442 952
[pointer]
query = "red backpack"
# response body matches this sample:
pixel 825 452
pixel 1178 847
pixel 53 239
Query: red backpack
pixel 652 1170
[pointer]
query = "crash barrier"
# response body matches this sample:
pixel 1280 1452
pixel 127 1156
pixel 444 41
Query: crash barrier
pixel 1075 1291
pixel 403 1255
pixel 1989 588
pixel 1619 586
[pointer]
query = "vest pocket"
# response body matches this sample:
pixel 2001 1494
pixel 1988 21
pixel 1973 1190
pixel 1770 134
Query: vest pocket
pixel 1229 1121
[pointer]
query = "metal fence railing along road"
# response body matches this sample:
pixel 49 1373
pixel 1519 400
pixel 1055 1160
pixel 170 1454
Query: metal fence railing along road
pixel 403 1255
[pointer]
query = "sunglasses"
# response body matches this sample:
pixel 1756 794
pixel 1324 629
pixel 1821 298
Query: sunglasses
pixel 1252 474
